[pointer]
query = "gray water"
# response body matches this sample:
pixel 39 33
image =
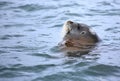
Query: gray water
pixel 30 30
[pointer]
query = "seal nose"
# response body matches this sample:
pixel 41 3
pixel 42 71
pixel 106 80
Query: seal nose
pixel 69 22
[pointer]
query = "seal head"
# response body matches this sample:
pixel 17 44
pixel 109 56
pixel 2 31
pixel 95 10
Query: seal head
pixel 77 36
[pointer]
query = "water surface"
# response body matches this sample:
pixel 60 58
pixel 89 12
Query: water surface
pixel 30 30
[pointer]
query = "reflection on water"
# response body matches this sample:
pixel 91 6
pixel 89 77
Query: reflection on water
pixel 30 31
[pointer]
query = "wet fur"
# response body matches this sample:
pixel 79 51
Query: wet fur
pixel 83 44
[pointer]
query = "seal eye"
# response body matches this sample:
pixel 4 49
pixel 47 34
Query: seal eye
pixel 68 32
pixel 83 32
pixel 70 22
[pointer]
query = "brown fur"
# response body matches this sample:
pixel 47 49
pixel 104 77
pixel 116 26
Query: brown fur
pixel 77 37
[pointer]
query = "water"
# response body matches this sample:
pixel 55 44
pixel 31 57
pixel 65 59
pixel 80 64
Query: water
pixel 29 32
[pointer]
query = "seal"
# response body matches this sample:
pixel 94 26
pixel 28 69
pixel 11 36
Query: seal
pixel 77 37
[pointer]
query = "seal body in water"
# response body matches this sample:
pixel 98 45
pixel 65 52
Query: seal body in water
pixel 77 37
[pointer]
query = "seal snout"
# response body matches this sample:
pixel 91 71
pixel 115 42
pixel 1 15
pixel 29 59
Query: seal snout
pixel 69 22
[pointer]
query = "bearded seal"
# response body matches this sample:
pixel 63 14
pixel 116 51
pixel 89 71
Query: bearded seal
pixel 77 37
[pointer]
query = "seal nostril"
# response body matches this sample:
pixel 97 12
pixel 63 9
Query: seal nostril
pixel 70 22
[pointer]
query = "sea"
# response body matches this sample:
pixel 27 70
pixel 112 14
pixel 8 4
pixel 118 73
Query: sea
pixel 30 31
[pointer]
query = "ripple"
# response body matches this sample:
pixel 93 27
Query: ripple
pixel 55 49
pixel 103 70
pixel 19 67
pixel 106 12
pixel 56 25
pixel 112 29
pixel 15 25
pixel 109 29
pixel 21 48
pixel 105 3
pixel 73 14
pixel 3 4
pixel 62 76
pixel 1 52
pixel 44 35
pixel 10 74
pixel 97 11
pixel 5 37
pixel 113 14
pixel 35 7
pixel 72 4
pixel 42 55
pixel 30 30
pixel 19 70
